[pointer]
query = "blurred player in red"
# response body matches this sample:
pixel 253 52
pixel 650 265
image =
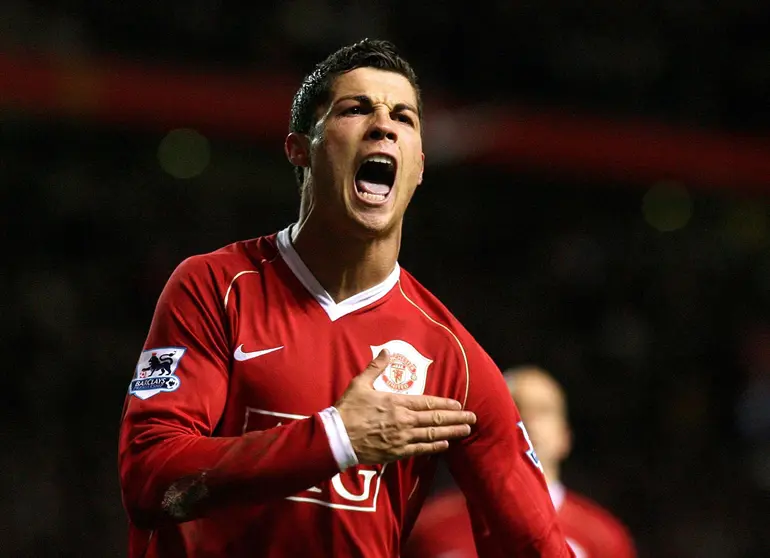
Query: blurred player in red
pixel 295 389
pixel 443 529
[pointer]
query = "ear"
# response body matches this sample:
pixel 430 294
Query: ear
pixel 297 148
pixel 422 169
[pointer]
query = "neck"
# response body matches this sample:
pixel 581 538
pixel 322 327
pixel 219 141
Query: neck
pixel 551 472
pixel 344 264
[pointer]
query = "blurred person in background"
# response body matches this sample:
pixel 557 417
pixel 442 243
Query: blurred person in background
pixel 443 528
pixel 250 429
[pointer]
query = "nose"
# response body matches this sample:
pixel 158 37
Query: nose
pixel 381 127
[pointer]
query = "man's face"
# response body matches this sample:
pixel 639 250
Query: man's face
pixel 366 156
pixel 542 407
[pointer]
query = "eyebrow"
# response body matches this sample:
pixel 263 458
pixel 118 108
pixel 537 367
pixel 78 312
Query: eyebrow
pixel 365 100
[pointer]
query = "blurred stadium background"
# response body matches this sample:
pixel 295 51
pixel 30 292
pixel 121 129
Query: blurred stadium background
pixel 596 201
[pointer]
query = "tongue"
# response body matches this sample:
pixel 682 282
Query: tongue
pixel 373 187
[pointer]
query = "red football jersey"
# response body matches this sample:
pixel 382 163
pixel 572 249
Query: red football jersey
pixel 443 529
pixel 590 529
pixel 224 448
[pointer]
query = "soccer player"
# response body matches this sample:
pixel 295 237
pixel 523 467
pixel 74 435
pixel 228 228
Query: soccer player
pixel 295 390
pixel 444 528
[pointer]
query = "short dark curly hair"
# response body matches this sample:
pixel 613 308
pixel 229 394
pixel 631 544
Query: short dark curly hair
pixel 316 87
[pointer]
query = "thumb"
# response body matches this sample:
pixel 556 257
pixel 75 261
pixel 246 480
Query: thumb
pixel 376 367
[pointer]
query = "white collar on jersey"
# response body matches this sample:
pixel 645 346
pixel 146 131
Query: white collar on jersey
pixel 558 493
pixel 335 310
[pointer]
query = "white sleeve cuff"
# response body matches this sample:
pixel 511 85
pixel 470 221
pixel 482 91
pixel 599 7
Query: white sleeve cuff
pixel 339 441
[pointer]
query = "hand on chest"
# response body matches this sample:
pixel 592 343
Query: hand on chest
pixel 291 373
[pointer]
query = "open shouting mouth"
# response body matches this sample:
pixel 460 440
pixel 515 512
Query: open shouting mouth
pixel 375 178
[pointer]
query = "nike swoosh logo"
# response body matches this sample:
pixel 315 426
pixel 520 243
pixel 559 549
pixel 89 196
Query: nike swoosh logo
pixel 240 355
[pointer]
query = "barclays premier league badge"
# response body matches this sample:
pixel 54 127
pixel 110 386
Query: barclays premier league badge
pixel 155 372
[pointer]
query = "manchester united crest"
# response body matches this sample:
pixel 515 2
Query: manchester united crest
pixel 401 374
pixel 407 371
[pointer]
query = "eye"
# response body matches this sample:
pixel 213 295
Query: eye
pixel 353 110
pixel 405 118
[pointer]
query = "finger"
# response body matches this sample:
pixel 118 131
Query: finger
pixel 376 367
pixel 423 448
pixel 443 418
pixel 439 433
pixel 427 403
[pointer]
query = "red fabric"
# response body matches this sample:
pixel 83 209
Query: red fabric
pixel 271 487
pixel 443 530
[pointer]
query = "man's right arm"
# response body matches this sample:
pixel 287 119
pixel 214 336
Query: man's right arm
pixel 171 468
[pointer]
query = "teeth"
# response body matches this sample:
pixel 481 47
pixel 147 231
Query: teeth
pixel 371 197
pixel 380 159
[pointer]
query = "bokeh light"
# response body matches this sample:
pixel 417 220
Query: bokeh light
pixel 184 153
pixel 667 206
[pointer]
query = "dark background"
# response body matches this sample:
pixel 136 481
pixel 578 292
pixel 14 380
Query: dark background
pixel 616 229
